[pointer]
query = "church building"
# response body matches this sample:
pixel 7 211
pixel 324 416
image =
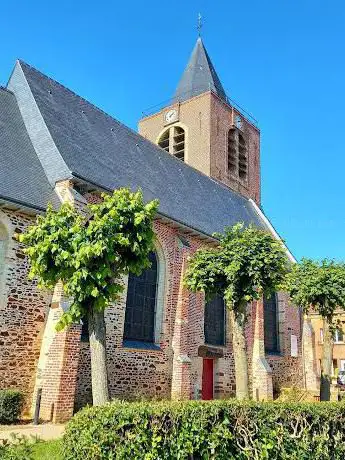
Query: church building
pixel 200 156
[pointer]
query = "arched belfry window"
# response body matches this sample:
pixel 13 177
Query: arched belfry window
pixel 141 304
pixel 3 248
pixel 214 321
pixel 271 324
pixel 173 141
pixel 237 154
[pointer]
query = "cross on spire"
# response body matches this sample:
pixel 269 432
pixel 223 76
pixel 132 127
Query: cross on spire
pixel 199 26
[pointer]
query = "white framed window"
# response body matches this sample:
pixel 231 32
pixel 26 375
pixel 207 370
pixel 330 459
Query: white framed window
pixel 338 336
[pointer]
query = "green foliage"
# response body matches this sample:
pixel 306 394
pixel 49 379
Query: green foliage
pixel 248 263
pixel 24 448
pixel 47 450
pixel 89 251
pixel 318 285
pixel 221 430
pixel 11 402
pixel 17 448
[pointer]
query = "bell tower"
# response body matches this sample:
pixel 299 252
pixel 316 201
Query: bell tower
pixel 203 128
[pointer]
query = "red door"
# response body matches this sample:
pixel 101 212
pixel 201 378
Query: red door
pixel 207 379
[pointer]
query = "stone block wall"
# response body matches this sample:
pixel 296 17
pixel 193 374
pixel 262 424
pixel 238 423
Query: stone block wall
pixel 23 311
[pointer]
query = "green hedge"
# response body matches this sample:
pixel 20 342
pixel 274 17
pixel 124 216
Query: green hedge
pixel 197 430
pixel 11 402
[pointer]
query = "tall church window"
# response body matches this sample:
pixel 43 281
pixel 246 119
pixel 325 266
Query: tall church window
pixel 237 154
pixel 141 304
pixel 173 141
pixel 214 321
pixel 271 324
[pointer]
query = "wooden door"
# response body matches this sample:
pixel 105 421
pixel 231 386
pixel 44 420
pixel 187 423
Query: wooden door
pixel 207 379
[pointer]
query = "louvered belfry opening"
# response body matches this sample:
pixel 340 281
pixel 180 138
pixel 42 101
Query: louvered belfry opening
pixel 271 324
pixel 164 140
pixel 179 142
pixel 242 157
pixel 237 154
pixel 173 141
pixel 214 321
pixel 232 151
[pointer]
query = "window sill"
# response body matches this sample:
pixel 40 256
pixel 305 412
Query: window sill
pixel 138 345
pixel 278 354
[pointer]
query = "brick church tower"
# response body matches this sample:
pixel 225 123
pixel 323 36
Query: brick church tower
pixel 202 127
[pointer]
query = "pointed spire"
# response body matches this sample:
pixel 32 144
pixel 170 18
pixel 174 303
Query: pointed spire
pixel 199 76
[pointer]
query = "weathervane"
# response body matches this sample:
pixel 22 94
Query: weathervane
pixel 199 26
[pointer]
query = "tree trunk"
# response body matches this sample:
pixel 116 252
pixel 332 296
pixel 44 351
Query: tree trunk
pixel 240 353
pixel 98 353
pixel 327 357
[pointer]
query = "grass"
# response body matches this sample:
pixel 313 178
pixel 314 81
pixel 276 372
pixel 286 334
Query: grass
pixel 47 450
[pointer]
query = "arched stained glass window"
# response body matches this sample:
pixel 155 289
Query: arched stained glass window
pixel 141 304
pixel 214 321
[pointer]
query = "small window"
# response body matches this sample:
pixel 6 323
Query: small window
pixel 338 336
pixel 271 324
pixel 214 321
pixel 321 335
pixel 84 336
pixel 141 304
pixel 173 141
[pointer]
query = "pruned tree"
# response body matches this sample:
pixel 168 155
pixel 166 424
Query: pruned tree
pixel 88 252
pixel 247 264
pixel 320 287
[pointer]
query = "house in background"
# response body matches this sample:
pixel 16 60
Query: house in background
pixel 200 156
pixel 338 344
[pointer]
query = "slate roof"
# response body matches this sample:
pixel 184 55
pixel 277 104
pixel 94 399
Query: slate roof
pixel 22 179
pixel 73 138
pixel 199 76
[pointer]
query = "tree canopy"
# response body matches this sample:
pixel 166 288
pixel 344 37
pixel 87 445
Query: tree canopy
pixel 247 263
pixel 318 285
pixel 88 251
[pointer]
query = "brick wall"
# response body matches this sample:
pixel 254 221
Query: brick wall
pixel 207 120
pixel 174 368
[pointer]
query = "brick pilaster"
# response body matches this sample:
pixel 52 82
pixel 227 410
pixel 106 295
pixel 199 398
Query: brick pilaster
pixel 58 365
pixel 261 372
pixel 181 373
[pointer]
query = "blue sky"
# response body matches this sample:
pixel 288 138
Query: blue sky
pixel 283 61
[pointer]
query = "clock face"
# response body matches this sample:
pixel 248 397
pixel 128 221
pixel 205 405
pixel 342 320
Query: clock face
pixel 170 116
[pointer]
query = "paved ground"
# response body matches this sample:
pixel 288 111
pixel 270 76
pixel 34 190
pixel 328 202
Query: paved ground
pixel 45 431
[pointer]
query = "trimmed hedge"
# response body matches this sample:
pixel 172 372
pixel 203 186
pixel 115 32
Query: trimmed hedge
pixel 11 403
pixel 198 430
